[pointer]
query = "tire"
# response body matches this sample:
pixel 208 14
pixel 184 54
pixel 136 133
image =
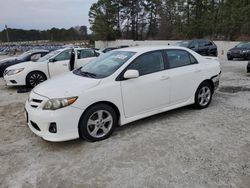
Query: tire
pixel 229 58
pixel 203 96
pixel 35 78
pixel 97 123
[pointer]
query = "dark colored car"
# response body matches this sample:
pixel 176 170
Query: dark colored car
pixel 31 55
pixel 242 50
pixel 108 49
pixel 123 46
pixel 248 67
pixel 201 46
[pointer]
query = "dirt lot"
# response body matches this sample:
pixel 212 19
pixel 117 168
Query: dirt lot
pixel 181 148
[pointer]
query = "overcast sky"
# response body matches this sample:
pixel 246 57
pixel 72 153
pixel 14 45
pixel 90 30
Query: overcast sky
pixel 44 14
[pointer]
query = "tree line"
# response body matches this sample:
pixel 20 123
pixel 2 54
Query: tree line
pixel 54 34
pixel 170 19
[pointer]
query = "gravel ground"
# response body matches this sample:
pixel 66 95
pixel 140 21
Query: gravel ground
pixel 180 148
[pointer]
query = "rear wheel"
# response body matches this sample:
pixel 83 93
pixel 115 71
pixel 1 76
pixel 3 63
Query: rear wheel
pixel 229 58
pixel 97 123
pixel 203 96
pixel 35 78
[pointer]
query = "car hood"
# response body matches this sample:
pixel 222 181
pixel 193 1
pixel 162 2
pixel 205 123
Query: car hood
pixel 8 60
pixel 238 49
pixel 20 65
pixel 66 85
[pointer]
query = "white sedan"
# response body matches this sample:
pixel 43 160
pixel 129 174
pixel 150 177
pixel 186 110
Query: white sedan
pixel 120 87
pixel 32 73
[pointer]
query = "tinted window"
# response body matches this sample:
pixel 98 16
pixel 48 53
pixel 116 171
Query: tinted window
pixel 201 43
pixel 85 54
pixel 65 55
pixel 148 63
pixel 35 57
pixel 179 58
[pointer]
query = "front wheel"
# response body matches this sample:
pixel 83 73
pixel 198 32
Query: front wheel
pixel 97 123
pixel 203 96
pixel 35 78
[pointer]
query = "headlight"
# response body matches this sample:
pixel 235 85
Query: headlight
pixel 55 104
pixel 246 51
pixel 13 71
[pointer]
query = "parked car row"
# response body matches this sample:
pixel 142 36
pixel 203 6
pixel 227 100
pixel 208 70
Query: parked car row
pixel 32 55
pixel 13 49
pixel 91 93
pixel 114 89
pixel 201 46
pixel 32 73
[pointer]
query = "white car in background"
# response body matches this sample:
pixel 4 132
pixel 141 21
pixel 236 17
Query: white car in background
pixel 32 73
pixel 120 87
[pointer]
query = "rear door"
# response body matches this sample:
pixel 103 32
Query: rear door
pixel 84 56
pixel 185 75
pixel 60 63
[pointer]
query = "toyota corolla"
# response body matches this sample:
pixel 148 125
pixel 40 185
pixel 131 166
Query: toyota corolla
pixel 120 87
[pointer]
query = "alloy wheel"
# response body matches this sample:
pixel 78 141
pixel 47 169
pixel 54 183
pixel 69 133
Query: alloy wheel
pixel 99 123
pixel 36 79
pixel 204 96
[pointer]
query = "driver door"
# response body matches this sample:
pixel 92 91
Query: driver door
pixel 151 90
pixel 60 63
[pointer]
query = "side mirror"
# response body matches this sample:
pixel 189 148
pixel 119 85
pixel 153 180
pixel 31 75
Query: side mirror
pixel 130 74
pixel 52 60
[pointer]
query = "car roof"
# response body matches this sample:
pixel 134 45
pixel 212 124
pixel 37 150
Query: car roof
pixel 37 50
pixel 143 49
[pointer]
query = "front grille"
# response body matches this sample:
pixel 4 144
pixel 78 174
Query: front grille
pixel 34 103
pixel 37 100
pixel 35 125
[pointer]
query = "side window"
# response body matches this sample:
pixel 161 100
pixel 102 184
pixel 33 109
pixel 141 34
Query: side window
pixel 192 44
pixel 208 43
pixel 148 63
pixel 65 55
pixel 35 57
pixel 202 43
pixel 85 54
pixel 179 58
pixel 97 54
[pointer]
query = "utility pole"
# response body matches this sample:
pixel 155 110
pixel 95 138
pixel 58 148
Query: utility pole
pixel 7 34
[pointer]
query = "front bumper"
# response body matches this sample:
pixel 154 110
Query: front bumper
pixel 39 120
pixel 238 55
pixel 15 80
pixel 216 80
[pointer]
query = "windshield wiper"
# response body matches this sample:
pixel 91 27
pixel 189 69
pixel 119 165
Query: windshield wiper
pixel 88 74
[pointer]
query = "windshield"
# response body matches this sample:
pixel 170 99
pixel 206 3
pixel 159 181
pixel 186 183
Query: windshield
pixel 48 56
pixel 243 45
pixel 182 43
pixel 105 65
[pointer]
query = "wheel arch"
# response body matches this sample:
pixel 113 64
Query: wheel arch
pixel 210 82
pixel 112 105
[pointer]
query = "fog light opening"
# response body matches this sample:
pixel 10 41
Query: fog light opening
pixel 52 128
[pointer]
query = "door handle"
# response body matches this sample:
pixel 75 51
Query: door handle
pixel 65 64
pixel 164 78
